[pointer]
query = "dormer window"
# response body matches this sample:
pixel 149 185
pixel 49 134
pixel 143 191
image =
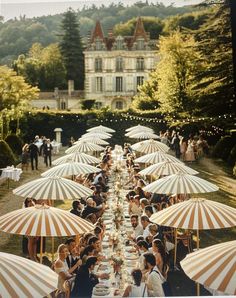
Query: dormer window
pixel 140 44
pixel 98 44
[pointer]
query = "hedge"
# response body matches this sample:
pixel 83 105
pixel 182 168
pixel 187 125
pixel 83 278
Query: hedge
pixel 223 147
pixel 7 157
pixel 15 143
pixel 232 156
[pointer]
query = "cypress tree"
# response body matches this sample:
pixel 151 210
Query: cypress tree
pixel 72 49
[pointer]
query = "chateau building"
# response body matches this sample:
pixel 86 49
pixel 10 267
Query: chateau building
pixel 116 65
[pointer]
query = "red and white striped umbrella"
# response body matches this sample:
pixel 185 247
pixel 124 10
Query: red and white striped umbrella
pixel 53 188
pixel 69 169
pixel 180 184
pixel 93 140
pixel 214 267
pixel 23 278
pixel 101 128
pixel 196 214
pixel 103 136
pixel 167 168
pixel 137 127
pixel 149 146
pixel 76 157
pixel 42 220
pixel 83 146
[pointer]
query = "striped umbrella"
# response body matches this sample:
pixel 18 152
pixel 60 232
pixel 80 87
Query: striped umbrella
pixel 93 140
pixel 23 278
pixel 103 136
pixel 83 146
pixel 45 221
pixel 167 168
pixel 214 267
pixel 180 184
pixel 101 128
pixel 76 157
pixel 156 157
pixel 149 146
pixel 137 127
pixel 53 188
pixel 138 130
pixel 69 169
pixel 196 214
pixel 142 135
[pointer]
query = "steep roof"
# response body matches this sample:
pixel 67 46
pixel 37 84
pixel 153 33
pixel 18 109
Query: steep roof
pixel 97 32
pixel 139 30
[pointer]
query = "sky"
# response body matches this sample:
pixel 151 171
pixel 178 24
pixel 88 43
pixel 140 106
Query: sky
pixel 10 9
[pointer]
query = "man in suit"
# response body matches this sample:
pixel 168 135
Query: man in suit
pixel 85 279
pixel 73 256
pixel 34 152
pixel 47 152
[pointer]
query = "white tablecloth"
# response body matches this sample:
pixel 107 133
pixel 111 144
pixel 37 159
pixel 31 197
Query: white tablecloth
pixel 11 173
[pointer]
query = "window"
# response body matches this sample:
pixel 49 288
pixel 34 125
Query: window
pixel 140 63
pixel 98 45
pixel 63 105
pixel 119 43
pixel 119 84
pixel 99 84
pixel 140 44
pixel 98 104
pixel 139 81
pixel 119 64
pixel 119 105
pixel 98 64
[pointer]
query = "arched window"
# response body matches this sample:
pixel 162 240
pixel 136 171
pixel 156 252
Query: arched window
pixel 98 44
pixel 119 105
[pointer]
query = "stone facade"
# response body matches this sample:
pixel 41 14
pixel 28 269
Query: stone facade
pixel 115 66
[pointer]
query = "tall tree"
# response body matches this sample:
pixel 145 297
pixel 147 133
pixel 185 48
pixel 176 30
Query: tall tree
pixel 15 95
pixel 72 50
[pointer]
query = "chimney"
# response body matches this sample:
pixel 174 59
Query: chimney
pixel 70 87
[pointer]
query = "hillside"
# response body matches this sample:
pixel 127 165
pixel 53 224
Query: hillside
pixel 18 35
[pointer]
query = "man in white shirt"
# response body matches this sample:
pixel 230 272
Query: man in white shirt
pixel 154 278
pixel 137 228
pixel 145 224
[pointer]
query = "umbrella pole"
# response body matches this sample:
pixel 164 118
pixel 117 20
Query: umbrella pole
pixel 198 285
pixel 41 249
pixel 53 241
pixel 175 251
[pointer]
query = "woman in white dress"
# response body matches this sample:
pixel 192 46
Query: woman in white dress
pixel 138 288
pixel 190 155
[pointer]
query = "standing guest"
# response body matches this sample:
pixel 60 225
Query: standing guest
pixel 34 152
pixel 176 145
pixel 85 279
pixel 160 255
pixel 183 147
pixel 137 288
pixel 47 153
pixel 25 157
pixel 71 142
pixel 154 278
pixel 190 155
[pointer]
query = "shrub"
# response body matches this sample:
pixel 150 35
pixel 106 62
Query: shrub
pixel 87 104
pixel 7 157
pixel 223 147
pixel 232 156
pixel 15 143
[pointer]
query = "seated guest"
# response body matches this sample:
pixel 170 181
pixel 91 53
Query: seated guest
pixel 95 242
pixel 145 224
pixel 144 202
pixel 76 208
pixel 148 210
pixel 85 279
pixel 137 288
pixel 156 232
pixel 87 252
pixel 73 256
pixel 92 208
pixel 91 218
pixel 160 254
pixel 154 277
pixel 137 228
pixel 142 247
pixel 61 268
